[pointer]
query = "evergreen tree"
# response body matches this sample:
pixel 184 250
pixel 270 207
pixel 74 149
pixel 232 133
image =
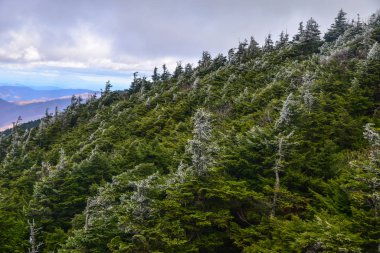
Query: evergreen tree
pixel 178 70
pixel 135 84
pixel 231 55
pixel 107 88
pixel 311 32
pixel 283 40
pixel 308 39
pixel 201 146
pixel 143 172
pixel 338 28
pixel 253 48
pixel 188 70
pixel 165 73
pixel 33 233
pixel 155 76
pixel 205 61
pixel 298 36
pixel 268 44
pixel 241 51
pixel 218 61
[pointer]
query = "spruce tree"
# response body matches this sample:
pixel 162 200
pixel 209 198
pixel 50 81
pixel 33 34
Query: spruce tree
pixel 338 28
pixel 188 70
pixel 284 39
pixel 178 70
pixel 297 37
pixel 206 60
pixel 241 51
pixel 268 44
pixel 253 48
pixel 155 76
pixel 165 73
pixel 308 39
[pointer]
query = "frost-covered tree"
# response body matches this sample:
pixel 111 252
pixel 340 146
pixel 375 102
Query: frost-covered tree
pixel 180 175
pixel 283 39
pixel 219 61
pixel 282 144
pixel 138 203
pixel 268 43
pixel 15 146
pixel 374 52
pixel 286 111
pixel 62 162
pixel 241 51
pixel 33 233
pixel 368 171
pixel 308 98
pixel 338 28
pixel 308 38
pixel 99 207
pixel 178 70
pixel 297 37
pixel 206 60
pixel 253 48
pixel 201 147
pixel 371 135
pixel 311 32
pixel 231 55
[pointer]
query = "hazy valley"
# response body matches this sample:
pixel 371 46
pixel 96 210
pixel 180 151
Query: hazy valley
pixel 31 104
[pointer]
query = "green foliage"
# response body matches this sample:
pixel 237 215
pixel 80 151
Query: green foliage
pixel 260 151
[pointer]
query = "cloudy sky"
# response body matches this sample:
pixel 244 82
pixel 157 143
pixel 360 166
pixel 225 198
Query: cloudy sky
pixel 84 43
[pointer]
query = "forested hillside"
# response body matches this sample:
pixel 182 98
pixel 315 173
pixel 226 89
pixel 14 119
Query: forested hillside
pixel 272 148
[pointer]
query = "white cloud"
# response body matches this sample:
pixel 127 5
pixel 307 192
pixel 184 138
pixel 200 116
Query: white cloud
pixel 135 35
pixel 103 79
pixel 82 44
pixel 31 54
pixel 20 45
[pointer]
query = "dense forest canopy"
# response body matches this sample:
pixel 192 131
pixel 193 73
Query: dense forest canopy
pixel 272 148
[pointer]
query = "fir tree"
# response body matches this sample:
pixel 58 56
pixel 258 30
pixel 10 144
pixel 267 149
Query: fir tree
pixel 178 70
pixel 165 73
pixel 201 146
pixel 33 233
pixel 282 144
pixel 374 52
pixel 298 36
pixel 188 70
pixel 241 51
pixel 253 48
pixel 205 61
pixel 231 55
pixel 338 28
pixel 283 40
pixel 107 88
pixel 308 39
pixel 311 32
pixel 268 44
pixel 155 76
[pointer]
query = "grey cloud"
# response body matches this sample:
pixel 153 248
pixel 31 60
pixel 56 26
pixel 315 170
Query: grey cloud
pixel 150 31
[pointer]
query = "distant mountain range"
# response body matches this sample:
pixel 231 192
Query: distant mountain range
pixel 31 104
pixel 23 93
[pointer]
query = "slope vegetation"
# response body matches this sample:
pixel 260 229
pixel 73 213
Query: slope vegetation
pixel 271 149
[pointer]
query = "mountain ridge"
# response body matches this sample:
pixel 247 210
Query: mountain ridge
pixel 31 104
pixel 22 93
pixel 28 112
pixel 268 149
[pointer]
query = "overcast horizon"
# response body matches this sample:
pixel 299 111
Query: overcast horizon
pixel 82 44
